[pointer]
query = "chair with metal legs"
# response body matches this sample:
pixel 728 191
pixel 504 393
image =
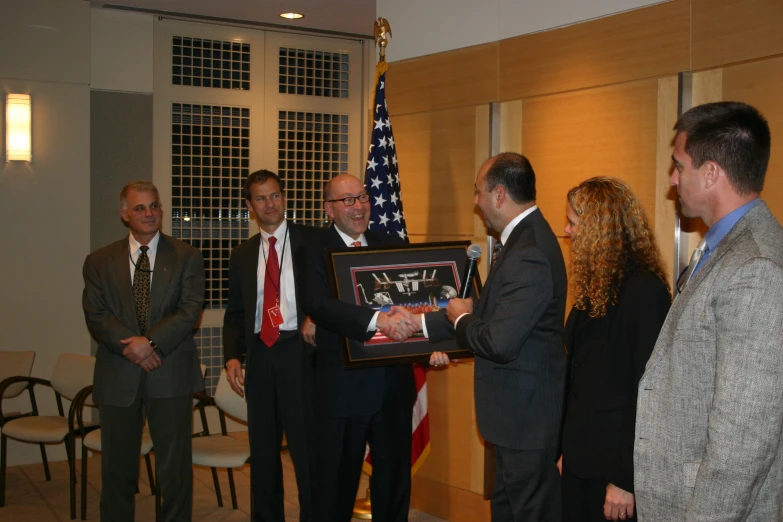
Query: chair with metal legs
pixel 220 450
pixel 92 442
pixel 72 373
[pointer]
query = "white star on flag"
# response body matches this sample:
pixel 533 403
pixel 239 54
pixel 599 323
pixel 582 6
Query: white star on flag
pixel 397 216
pixel 382 142
pixel 379 201
pixel 379 124
pixel 384 219
pixel 376 182
pixel 371 164
pixel 394 198
pixel 386 161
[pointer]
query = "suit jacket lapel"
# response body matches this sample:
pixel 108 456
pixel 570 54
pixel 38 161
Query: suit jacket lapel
pixel 295 238
pixel 507 247
pixel 681 301
pixel 161 275
pixel 121 268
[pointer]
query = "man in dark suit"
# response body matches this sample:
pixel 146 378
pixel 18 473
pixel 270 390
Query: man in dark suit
pixel 358 406
pixel 142 299
pixel 516 334
pixel 261 325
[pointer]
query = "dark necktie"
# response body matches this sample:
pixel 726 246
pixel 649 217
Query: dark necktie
pixel 270 331
pixel 141 289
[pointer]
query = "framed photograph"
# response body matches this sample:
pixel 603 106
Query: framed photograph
pixel 420 277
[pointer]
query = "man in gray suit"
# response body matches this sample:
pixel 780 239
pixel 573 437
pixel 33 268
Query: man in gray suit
pixel 142 299
pixel 516 334
pixel 710 404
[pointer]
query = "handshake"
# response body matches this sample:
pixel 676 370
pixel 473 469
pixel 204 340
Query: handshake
pixel 398 323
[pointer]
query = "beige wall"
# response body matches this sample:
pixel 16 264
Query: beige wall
pixel 45 205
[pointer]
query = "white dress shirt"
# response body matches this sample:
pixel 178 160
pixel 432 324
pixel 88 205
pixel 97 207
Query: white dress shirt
pixel 287 288
pixel 349 243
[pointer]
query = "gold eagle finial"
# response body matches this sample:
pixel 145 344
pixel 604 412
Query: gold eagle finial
pixel 382 31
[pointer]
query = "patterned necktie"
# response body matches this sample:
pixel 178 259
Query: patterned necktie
pixel 141 289
pixel 696 258
pixel 356 244
pixel 496 251
pixel 270 332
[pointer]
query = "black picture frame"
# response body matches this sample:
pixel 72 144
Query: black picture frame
pixel 419 276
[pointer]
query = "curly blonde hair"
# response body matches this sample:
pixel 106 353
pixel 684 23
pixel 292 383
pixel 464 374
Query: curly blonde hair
pixel 613 239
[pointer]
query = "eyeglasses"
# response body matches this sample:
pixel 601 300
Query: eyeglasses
pixel 351 200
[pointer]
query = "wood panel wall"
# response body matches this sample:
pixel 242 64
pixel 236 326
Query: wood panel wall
pixel 597 98
pixel 760 84
pixel 733 31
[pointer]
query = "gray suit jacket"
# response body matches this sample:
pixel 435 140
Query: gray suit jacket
pixel 516 334
pixel 176 299
pixel 710 404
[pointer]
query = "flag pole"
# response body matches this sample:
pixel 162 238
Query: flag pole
pixel 362 507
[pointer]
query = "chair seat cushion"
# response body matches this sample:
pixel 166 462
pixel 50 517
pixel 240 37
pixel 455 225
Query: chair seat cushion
pixel 37 429
pixel 93 441
pixel 219 451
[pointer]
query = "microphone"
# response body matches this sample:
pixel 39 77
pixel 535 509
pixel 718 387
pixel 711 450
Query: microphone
pixel 474 252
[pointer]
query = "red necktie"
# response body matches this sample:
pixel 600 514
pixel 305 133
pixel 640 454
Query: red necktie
pixel 269 332
pixel 356 244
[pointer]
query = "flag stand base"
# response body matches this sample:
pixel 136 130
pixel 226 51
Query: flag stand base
pixel 362 508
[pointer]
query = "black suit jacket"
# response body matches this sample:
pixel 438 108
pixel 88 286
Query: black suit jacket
pixel 176 300
pixel 516 334
pixel 607 356
pixel 240 316
pixel 340 392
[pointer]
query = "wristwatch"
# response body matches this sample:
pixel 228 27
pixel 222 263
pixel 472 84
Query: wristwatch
pixel 154 347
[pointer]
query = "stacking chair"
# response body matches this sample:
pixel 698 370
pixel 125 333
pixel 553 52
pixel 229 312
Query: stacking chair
pixel 221 451
pixel 71 374
pixel 92 442
pixel 13 364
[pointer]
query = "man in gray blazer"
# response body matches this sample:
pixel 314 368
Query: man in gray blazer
pixel 710 404
pixel 142 299
pixel 516 334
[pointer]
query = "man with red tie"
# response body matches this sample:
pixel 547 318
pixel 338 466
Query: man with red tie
pixel 261 325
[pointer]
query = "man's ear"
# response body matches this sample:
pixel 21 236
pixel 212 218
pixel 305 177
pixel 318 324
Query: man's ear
pixel 711 173
pixel 499 195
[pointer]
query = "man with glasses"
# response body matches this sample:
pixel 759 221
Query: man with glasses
pixel 358 406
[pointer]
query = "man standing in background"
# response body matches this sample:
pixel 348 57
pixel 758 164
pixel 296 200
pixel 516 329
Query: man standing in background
pixel 142 299
pixel 710 404
pixel 261 324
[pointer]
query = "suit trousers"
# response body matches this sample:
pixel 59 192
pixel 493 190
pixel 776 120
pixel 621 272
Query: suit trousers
pixel 170 423
pixel 341 446
pixel 278 387
pixel 583 498
pixel 527 486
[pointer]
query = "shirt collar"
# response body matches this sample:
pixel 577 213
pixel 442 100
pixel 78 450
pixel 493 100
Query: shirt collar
pixel 718 231
pixel 135 245
pixel 514 222
pixel 279 233
pixel 348 240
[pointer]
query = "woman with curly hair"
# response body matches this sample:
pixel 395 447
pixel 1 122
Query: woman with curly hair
pixel 621 301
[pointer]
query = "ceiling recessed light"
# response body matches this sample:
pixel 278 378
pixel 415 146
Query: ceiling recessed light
pixel 292 16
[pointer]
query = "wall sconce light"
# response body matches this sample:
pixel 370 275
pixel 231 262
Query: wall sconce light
pixel 18 136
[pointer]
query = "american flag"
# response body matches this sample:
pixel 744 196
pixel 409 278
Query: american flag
pixel 382 177
pixel 382 183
